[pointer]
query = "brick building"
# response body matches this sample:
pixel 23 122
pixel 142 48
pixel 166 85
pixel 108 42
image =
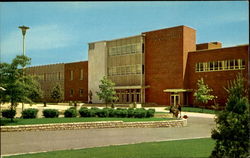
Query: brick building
pixel 162 67
pixel 72 78
pixel 48 77
pixel 76 81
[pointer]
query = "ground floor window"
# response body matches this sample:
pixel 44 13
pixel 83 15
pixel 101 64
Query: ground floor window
pixel 128 95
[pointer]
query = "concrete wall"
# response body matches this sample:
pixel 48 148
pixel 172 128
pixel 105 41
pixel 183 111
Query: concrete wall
pixel 97 68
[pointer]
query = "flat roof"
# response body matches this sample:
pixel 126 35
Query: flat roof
pixel 116 39
pixel 203 50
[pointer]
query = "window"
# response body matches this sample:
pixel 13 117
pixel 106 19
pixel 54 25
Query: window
pixel 91 46
pixel 71 75
pixel 216 64
pixel 81 74
pixel 142 69
pixel 81 92
pixel 232 64
pixel 128 69
pixel 138 69
pixel 71 92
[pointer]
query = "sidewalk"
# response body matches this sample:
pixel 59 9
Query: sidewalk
pixel 62 107
pixel 189 114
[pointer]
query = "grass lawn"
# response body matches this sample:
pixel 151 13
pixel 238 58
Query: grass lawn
pixel 199 110
pixel 195 109
pixel 180 148
pixel 6 122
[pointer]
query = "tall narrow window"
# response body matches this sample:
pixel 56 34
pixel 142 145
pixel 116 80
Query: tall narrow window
pixel 142 69
pixel 71 93
pixel 81 92
pixel 71 75
pixel 81 74
pixel 59 77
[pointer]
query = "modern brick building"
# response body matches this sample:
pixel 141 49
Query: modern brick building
pixel 48 77
pixel 72 77
pixel 76 81
pixel 162 67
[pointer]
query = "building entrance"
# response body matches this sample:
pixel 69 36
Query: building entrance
pixel 174 99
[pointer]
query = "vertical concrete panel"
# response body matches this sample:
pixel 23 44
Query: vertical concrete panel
pixel 96 68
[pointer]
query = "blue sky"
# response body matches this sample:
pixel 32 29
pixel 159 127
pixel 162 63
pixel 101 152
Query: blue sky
pixel 60 31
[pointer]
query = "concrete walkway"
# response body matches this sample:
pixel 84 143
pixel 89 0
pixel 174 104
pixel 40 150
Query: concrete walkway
pixel 64 106
pixel 28 142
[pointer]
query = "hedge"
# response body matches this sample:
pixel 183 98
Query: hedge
pixel 119 112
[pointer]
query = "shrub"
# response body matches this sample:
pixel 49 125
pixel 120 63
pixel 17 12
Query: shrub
pixel 70 113
pixel 8 113
pixel 84 112
pixel 131 112
pixel 121 112
pixel 103 112
pixel 111 112
pixel 93 112
pixel 29 113
pixel 150 113
pixel 50 113
pixel 140 113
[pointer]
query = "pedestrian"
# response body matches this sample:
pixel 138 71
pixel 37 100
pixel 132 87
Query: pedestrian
pixel 179 109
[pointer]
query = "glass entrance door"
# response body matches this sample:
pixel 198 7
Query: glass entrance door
pixel 174 99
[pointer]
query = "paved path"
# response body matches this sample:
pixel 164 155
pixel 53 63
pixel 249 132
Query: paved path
pixel 24 142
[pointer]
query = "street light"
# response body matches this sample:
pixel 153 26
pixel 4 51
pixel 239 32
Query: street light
pixel 23 28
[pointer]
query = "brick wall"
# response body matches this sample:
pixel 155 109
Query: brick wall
pixel 77 82
pixel 216 80
pixel 165 61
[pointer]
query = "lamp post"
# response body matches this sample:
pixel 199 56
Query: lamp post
pixel 23 28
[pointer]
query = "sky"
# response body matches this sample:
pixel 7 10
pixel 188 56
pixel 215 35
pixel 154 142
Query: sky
pixel 60 31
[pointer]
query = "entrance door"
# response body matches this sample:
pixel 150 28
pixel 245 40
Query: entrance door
pixel 174 99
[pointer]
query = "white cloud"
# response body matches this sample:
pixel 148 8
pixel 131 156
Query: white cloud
pixel 37 38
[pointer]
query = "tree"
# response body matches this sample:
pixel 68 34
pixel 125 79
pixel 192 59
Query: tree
pixel 202 94
pixel 18 87
pixel 56 93
pixel 107 92
pixel 232 124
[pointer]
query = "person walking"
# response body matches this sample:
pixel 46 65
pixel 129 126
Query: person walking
pixel 179 109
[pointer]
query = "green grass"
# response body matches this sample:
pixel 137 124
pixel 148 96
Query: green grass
pixel 193 109
pixel 180 148
pixel 199 110
pixel 6 122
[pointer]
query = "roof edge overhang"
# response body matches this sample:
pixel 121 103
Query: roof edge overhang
pixel 131 87
pixel 177 90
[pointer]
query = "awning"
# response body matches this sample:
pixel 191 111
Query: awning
pixel 177 90
pixel 131 87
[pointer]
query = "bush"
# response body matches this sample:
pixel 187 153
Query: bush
pixel 29 113
pixel 93 112
pixel 140 113
pixel 131 112
pixel 121 112
pixel 111 112
pixel 70 113
pixel 50 113
pixel 84 112
pixel 103 113
pixel 8 113
pixel 150 113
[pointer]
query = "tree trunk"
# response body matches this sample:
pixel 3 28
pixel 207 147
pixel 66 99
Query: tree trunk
pixel 11 108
